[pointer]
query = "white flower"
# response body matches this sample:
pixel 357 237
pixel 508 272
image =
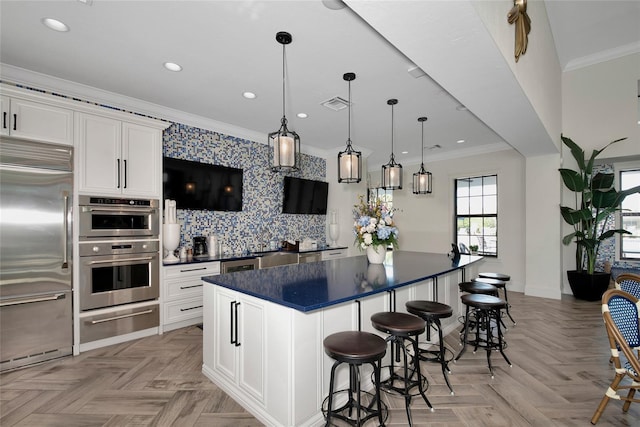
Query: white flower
pixel 370 228
pixel 368 239
pixel 373 221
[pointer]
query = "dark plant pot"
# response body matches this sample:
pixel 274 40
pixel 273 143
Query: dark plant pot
pixel 588 287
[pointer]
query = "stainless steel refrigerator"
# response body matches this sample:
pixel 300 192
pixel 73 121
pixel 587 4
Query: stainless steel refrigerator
pixel 36 194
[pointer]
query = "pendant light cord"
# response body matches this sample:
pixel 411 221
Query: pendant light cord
pixel 283 82
pixel 422 146
pixel 349 137
pixel 392 156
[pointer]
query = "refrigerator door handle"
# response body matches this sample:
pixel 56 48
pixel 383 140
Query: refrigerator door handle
pixel 16 301
pixel 65 243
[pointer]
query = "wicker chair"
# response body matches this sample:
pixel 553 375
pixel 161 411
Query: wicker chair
pixel 620 312
pixel 629 283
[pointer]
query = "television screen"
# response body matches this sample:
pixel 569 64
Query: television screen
pixel 201 186
pixel 304 196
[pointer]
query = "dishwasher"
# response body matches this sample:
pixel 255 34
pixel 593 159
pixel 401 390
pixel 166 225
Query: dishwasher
pixel 232 266
pixel 309 257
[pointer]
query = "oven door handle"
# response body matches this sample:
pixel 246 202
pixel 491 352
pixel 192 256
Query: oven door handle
pixel 118 210
pixel 111 261
pixel 122 316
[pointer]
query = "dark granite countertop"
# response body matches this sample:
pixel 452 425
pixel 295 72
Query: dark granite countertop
pixel 234 257
pixel 316 285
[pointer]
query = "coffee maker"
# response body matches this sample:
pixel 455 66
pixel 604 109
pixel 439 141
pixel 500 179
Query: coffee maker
pixel 199 246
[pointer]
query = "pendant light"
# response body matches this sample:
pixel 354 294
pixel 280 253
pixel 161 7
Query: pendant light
pixel 422 178
pixel 392 171
pixel 284 144
pixel 349 160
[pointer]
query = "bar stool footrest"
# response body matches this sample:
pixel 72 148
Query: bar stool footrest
pixel 347 413
pixel 389 386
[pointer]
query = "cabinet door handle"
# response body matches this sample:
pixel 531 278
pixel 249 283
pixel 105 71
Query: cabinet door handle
pixel 231 313
pixel 191 308
pixel 125 173
pixel 236 313
pixel 189 287
pixel 15 121
pixel 118 160
pixel 4 120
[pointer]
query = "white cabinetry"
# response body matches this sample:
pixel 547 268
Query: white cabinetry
pixel 238 348
pixel 182 304
pixel 334 254
pixel 24 118
pixel 118 157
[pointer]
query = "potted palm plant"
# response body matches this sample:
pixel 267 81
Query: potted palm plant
pixel 596 200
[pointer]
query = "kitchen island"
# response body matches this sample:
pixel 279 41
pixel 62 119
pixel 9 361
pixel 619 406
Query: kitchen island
pixel 263 329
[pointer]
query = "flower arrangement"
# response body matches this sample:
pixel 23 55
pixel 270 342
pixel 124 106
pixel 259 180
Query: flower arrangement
pixel 374 224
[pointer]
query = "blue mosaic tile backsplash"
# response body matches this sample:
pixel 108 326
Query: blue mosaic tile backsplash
pixel 261 219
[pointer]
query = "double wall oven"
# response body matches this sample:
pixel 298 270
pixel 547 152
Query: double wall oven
pixel 119 266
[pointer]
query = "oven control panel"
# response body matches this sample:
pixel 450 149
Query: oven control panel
pixel 118 247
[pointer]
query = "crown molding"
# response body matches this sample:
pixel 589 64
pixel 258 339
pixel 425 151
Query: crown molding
pixel 605 55
pixel 68 88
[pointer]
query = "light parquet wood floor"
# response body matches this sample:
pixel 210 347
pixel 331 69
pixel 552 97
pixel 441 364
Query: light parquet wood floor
pixel 558 350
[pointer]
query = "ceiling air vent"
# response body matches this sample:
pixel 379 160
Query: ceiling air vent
pixel 336 103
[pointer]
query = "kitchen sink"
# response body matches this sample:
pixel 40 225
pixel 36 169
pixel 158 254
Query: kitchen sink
pixel 274 259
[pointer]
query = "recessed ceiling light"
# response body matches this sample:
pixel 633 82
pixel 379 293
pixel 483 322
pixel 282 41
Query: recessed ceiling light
pixel 249 95
pixel 55 25
pixel 172 66
pixel 460 141
pixel 302 115
pixel 404 152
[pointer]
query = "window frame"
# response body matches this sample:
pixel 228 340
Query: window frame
pixel 482 215
pixel 619 168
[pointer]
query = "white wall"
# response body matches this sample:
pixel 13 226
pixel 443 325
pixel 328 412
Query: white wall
pixel 426 222
pixel 599 104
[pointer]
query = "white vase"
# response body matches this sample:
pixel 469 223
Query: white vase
pixel 376 254
pixel 171 240
pixel 334 233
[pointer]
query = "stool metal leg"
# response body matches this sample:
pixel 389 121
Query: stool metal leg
pixel 466 334
pixel 443 362
pixel 331 379
pixel 506 299
pixel 500 342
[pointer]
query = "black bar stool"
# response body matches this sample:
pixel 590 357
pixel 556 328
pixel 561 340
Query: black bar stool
pixel 505 278
pixel 431 312
pixel 402 327
pixel 356 348
pixel 487 307
pixel 476 287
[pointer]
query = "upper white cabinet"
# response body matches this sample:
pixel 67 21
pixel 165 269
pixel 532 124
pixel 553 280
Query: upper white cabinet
pixel 118 157
pixel 39 121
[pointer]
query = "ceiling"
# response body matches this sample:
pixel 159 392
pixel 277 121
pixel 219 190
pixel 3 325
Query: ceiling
pixel 229 47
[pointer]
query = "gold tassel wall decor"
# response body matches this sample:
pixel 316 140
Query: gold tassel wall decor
pixel 518 16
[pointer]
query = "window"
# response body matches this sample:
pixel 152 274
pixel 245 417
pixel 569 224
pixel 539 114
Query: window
pixel 476 221
pixel 630 216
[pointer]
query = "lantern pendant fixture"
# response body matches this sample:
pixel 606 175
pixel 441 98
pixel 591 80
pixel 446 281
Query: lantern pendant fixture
pixel 392 171
pixel 349 160
pixel 422 178
pixel 284 144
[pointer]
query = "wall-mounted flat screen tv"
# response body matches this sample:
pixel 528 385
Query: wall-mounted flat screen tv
pixel 201 186
pixel 304 196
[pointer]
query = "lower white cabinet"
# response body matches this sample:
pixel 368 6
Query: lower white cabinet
pixel 238 350
pixel 182 293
